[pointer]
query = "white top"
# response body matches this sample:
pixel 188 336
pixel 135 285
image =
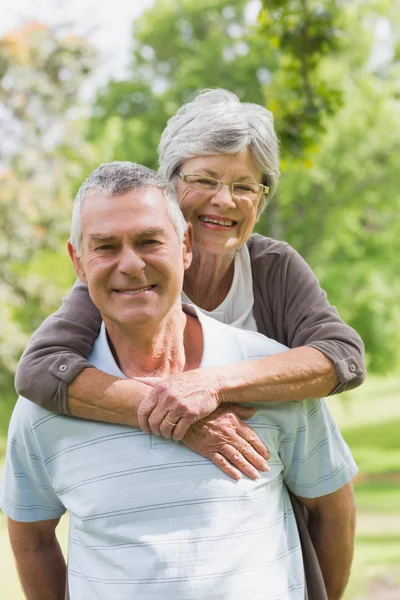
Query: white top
pixel 237 308
pixel 152 520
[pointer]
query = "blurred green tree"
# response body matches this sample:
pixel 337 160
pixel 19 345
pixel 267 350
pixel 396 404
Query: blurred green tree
pixel 179 47
pixel 41 154
pixel 311 62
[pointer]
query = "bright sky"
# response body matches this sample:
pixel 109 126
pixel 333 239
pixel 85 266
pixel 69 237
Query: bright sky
pixel 107 23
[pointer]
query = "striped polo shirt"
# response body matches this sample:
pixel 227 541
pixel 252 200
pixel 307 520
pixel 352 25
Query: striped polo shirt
pixel 152 520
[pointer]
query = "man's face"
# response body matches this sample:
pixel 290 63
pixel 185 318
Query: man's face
pixel 131 257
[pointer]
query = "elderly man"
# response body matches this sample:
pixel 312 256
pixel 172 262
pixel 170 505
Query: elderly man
pixel 148 517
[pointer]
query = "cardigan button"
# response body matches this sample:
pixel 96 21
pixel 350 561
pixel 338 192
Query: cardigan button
pixel 63 368
pixel 352 368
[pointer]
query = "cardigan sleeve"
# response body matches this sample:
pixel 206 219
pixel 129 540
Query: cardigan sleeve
pixel 309 320
pixel 58 351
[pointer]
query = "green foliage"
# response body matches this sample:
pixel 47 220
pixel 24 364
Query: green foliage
pixel 302 34
pixel 309 61
pixel 42 156
pixel 179 48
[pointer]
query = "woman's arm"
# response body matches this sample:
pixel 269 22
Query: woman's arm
pixel 326 355
pixel 311 322
pixel 54 372
pixel 291 307
pixel 58 351
pixel 192 395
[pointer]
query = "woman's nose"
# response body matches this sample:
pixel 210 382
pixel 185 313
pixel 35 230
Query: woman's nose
pixel 223 198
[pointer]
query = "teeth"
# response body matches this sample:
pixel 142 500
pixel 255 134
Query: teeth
pixel 208 220
pixel 134 292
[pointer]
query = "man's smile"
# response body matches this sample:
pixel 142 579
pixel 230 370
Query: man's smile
pixel 134 291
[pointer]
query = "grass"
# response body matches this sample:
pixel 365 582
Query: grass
pixel 369 418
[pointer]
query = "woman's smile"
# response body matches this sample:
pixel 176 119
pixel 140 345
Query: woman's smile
pixel 217 222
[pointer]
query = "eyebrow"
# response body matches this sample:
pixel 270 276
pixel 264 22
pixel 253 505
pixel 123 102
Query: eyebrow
pixel 106 237
pixel 150 231
pixel 212 173
pixel 100 237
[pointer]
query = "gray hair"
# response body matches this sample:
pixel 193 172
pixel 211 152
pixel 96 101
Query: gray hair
pixel 216 122
pixel 114 178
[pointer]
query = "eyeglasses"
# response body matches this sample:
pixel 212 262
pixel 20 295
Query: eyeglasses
pixel 239 189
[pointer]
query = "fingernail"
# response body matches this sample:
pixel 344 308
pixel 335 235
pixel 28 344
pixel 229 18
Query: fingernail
pixel 265 467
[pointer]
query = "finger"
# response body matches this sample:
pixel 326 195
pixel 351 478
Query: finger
pixel 250 436
pixel 225 466
pixel 251 455
pixel 156 419
pixel 239 461
pixel 182 425
pixel 144 411
pixel 166 429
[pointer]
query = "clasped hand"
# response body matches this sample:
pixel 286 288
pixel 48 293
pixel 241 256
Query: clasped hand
pixel 175 403
pixel 187 408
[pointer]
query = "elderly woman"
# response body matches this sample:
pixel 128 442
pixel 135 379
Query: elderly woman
pixel 222 157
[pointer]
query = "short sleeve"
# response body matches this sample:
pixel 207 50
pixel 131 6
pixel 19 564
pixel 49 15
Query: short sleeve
pixel 26 493
pixel 317 460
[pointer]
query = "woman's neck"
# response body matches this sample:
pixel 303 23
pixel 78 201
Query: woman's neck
pixel 209 278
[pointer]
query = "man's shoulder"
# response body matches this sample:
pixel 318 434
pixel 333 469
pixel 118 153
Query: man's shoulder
pixel 252 344
pixel 27 415
pixel 256 345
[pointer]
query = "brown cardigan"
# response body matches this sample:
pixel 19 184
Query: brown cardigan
pixel 289 306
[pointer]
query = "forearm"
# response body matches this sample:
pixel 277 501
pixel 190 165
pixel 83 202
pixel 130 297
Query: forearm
pixel 102 397
pixel 296 374
pixel 332 520
pixel 334 544
pixel 42 572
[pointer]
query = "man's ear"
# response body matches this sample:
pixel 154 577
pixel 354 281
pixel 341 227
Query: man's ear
pixel 76 261
pixel 187 247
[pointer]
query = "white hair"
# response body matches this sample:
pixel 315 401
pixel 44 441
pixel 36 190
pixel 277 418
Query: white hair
pixel 216 122
pixel 114 178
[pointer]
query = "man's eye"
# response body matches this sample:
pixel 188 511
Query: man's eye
pixel 149 242
pixel 105 247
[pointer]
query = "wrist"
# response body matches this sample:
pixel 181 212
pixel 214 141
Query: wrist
pixel 221 387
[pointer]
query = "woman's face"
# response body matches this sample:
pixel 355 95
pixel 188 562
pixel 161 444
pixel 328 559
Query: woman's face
pixel 236 217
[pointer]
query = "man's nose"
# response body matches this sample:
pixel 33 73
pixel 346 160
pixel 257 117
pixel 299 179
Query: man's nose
pixel 223 198
pixel 130 262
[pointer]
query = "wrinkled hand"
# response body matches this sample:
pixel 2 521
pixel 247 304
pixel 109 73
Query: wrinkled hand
pixel 175 403
pixel 228 442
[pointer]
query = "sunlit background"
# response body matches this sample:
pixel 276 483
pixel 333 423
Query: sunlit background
pixel 86 82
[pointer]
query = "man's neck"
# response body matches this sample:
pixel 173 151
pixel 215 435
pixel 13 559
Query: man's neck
pixel 172 346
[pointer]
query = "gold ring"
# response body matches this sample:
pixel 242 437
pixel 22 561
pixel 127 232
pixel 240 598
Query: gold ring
pixel 170 422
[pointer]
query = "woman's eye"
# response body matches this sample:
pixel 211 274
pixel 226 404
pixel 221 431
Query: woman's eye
pixel 244 187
